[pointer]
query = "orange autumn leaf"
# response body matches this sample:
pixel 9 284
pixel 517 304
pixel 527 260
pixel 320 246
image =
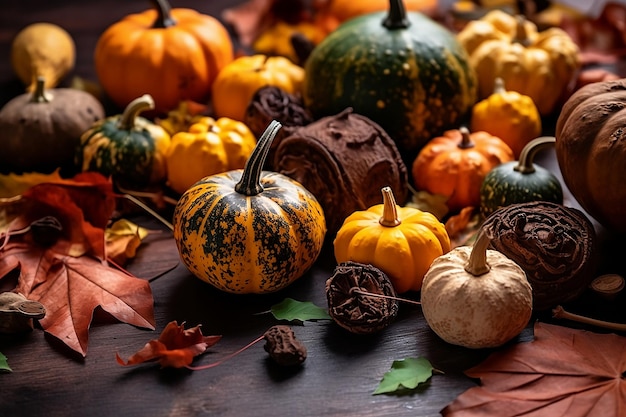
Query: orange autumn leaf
pixel 175 348
pixel 562 372
pixel 71 288
pixel 123 238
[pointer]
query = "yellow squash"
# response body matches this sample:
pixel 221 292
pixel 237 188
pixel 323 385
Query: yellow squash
pixel 509 115
pixel 541 65
pixel 208 147
pixel 400 241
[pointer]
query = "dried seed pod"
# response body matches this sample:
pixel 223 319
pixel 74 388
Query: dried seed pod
pixel 283 347
pixel 555 245
pixel 351 308
pixel 17 312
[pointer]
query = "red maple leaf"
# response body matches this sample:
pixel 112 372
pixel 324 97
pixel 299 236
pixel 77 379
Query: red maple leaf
pixel 175 347
pixel 562 372
pixel 70 288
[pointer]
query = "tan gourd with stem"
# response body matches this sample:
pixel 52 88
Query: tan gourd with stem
pixel 476 297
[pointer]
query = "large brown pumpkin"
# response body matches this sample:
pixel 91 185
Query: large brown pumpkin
pixel 591 150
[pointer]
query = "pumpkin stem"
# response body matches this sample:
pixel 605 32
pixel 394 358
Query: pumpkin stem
pixel 477 264
pixel 521 35
pixel 250 182
pixel 132 110
pixel 39 94
pixel 466 140
pixel 164 18
pixel 498 86
pixel 390 209
pixel 396 19
pixel 526 157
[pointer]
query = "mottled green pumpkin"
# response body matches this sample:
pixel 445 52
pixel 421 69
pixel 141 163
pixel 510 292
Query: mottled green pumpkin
pixel 129 148
pixel 249 231
pixel 403 70
pixel 520 181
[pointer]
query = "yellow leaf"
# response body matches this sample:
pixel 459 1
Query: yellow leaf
pixel 122 240
pixel 12 185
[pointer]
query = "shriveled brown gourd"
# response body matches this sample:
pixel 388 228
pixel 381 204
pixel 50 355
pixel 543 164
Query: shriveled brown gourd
pixel 40 131
pixel 42 50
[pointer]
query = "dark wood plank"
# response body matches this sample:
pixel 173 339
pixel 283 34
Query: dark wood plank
pixel 341 371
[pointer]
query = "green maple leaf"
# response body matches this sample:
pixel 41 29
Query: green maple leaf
pixel 4 365
pixel 406 373
pixel 290 309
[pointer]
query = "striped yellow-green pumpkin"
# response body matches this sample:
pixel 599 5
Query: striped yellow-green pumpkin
pixel 249 231
pixel 129 148
pixel 403 70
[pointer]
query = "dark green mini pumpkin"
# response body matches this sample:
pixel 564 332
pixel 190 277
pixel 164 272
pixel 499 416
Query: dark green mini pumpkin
pixel 249 231
pixel 402 70
pixel 127 147
pixel 520 181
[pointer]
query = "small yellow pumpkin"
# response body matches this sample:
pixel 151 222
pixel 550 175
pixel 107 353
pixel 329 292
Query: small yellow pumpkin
pixel 400 241
pixel 541 65
pixel 476 297
pixel 237 82
pixel 509 115
pixel 208 147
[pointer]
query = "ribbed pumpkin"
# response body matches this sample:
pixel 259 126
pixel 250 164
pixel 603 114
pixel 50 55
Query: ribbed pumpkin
pixel 249 231
pixel 402 70
pixel 520 181
pixel 591 150
pixel 455 164
pixel 509 115
pixel 129 148
pixel 171 54
pixel 400 241
pixel 208 147
pixel 541 65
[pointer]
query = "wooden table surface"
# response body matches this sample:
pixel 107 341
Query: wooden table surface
pixel 341 371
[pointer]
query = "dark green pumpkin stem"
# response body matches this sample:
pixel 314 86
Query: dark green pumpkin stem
pixel 39 94
pixel 477 264
pixel 396 19
pixel 466 140
pixel 250 182
pixel 390 210
pixel 527 156
pixel 164 18
pixel 132 110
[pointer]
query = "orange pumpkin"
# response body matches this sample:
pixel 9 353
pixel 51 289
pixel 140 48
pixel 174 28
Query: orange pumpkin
pixel 238 81
pixel 454 165
pixel 171 54
pixel 332 13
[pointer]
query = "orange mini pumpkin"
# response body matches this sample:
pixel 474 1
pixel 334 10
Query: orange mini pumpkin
pixel 454 165
pixel 171 54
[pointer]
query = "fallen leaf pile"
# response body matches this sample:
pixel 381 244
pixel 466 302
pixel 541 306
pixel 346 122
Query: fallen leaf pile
pixel 62 262
pixel 562 372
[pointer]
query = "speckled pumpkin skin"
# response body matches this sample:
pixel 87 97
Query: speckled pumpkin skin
pixel 414 82
pixel 248 244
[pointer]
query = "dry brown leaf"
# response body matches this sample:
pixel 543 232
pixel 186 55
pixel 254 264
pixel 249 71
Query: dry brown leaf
pixel 123 238
pixel 175 348
pixel 562 372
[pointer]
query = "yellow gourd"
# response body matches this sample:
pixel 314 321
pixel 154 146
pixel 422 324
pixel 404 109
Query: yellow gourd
pixel 209 147
pixel 400 241
pixel 42 50
pixel 509 115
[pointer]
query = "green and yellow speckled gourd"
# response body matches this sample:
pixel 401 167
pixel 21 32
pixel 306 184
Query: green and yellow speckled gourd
pixel 127 147
pixel 402 70
pixel 249 231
